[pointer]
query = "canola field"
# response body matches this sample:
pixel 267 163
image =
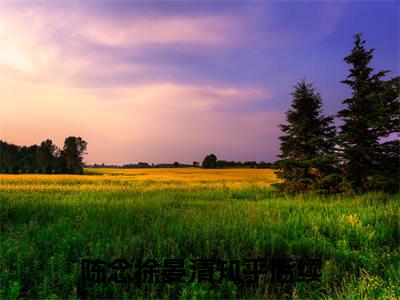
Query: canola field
pixel 50 222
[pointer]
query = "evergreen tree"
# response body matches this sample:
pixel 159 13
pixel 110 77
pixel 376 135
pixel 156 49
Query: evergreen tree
pixel 386 174
pixel 308 146
pixel 371 114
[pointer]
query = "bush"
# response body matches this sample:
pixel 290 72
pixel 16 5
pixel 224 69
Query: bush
pixel 333 183
pixel 384 183
pixel 296 186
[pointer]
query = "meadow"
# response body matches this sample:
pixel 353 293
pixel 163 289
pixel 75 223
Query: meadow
pixel 50 222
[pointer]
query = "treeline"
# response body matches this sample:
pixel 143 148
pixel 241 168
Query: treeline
pixel 140 165
pixel 362 155
pixel 45 158
pixel 211 162
pixel 217 164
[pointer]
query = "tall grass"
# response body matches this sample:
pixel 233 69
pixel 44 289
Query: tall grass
pixel 48 222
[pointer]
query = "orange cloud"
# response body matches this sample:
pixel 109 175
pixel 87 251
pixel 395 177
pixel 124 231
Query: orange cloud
pixel 154 121
pixel 151 115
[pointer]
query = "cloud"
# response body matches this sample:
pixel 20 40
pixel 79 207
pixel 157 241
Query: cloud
pixel 133 123
pixel 55 44
pixel 121 83
pixel 139 31
pixel 192 97
pixel 84 44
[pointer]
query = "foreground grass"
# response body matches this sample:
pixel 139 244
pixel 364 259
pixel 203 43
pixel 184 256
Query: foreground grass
pixel 50 221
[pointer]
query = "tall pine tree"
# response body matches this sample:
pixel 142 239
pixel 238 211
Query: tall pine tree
pixel 308 146
pixel 386 173
pixel 371 114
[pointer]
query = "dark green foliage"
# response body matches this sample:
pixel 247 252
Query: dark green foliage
pixel 386 174
pixel 9 154
pixel 308 132
pixel 265 165
pixel 28 162
pixel 15 159
pixel 387 169
pixel 74 149
pixel 209 162
pixel 212 163
pixel 372 113
pixel 333 183
pixel 388 106
pixel 61 162
pixel 307 148
pixel 143 165
pixel 45 156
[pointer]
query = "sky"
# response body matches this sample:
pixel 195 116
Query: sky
pixel 165 81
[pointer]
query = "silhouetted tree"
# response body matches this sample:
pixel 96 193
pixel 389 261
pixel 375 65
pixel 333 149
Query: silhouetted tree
pixel 143 165
pixel 176 164
pixel 307 148
pixel 61 162
pixel 45 156
pixel 28 162
pixel 264 165
pixel 250 164
pixel 74 149
pixel 386 173
pixel 222 164
pixel 9 157
pixel 196 164
pixel 372 113
pixel 209 162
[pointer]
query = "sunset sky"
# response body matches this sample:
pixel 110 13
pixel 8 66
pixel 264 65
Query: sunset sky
pixel 176 80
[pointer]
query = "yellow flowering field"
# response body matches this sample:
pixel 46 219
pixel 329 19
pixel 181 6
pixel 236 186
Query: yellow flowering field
pixel 51 222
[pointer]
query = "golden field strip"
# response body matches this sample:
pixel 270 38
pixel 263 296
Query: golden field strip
pixel 148 179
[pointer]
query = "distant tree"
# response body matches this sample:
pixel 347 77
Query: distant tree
pixel 196 164
pixel 222 164
pixel 307 148
pixel 74 149
pixel 3 146
pixel 264 165
pixel 143 165
pixel 176 164
pixel 45 156
pixel 28 161
pixel 250 164
pixel 210 162
pixel 61 162
pixel 9 157
pixel 372 113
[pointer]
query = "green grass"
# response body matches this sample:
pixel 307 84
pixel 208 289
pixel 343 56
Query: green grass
pixel 44 230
